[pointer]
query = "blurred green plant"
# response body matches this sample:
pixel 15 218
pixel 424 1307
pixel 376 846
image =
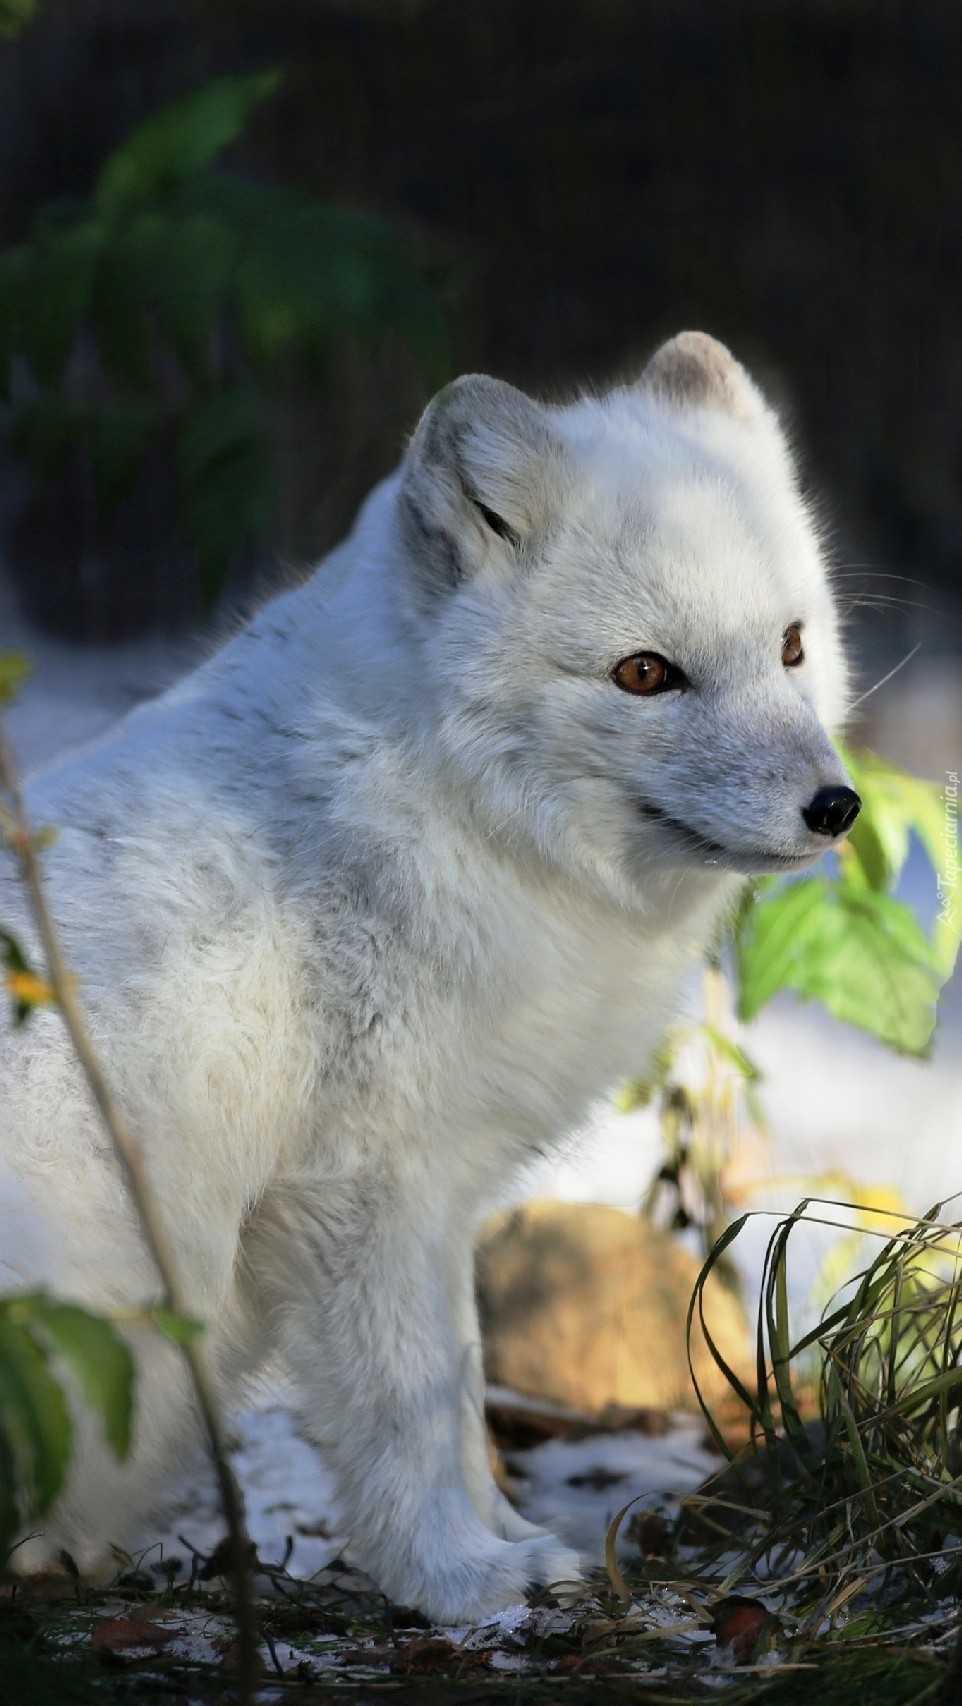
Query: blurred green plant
pixel 15 15
pixel 50 1349
pixel 46 1347
pixel 173 306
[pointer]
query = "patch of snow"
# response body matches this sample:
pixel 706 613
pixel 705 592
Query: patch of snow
pixel 654 1470
pixel 288 1494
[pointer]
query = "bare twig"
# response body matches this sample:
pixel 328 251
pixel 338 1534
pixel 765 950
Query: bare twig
pixel 23 844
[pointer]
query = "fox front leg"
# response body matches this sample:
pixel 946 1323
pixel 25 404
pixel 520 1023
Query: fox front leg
pixel 371 1338
pixel 496 1510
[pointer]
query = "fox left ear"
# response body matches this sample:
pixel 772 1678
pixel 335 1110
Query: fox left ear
pixel 485 471
pixel 697 371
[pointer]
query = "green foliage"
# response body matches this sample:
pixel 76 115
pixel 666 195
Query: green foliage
pixel 25 987
pixel 844 939
pixel 226 479
pixel 184 139
pixel 14 670
pixel 15 15
pixel 45 1346
pixel 193 296
pixel 180 1329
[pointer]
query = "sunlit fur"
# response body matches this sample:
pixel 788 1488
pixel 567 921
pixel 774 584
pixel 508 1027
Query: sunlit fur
pixel 374 905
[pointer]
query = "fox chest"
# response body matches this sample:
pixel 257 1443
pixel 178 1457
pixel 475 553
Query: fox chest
pixel 524 1010
pixel 581 1016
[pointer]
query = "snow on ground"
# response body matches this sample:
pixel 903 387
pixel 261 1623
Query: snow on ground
pixel 572 1486
pixel 576 1487
pixel 289 1499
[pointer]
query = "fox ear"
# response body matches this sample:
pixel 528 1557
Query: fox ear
pixel 696 371
pixel 485 471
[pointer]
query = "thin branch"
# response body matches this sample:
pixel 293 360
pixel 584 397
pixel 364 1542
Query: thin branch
pixel 23 844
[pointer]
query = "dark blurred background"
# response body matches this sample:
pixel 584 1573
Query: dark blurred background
pixel 581 178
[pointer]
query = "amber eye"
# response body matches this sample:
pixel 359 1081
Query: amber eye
pixel 646 672
pixel 792 651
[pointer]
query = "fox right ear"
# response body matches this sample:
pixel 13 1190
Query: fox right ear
pixel 484 473
pixel 695 370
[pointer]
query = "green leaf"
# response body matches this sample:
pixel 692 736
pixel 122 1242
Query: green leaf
pixel 845 940
pixel 870 963
pixel 33 1416
pixel 288 296
pixel 14 670
pixel 97 1358
pixel 860 953
pixel 15 15
pixel 190 288
pixel 166 277
pixel 307 271
pixel 16 272
pixel 770 938
pixel 121 304
pixel 180 141
pixel 226 470
pixel 26 988
pixel 120 436
pixel 181 1329
pixel 894 805
pixel 868 853
pixel 45 432
pixel 9 1514
pixel 58 282
pixel 174 258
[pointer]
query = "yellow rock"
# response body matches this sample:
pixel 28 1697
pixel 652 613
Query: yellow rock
pixel 586 1306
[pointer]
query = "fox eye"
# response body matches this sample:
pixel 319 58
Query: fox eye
pixel 496 522
pixel 646 672
pixel 792 650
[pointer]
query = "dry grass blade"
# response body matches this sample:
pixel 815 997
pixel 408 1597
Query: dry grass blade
pixel 863 1496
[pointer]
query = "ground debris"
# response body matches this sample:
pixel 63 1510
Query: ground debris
pixel 132 1633
pixel 686 1617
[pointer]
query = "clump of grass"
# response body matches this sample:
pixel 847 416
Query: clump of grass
pixel 854 1497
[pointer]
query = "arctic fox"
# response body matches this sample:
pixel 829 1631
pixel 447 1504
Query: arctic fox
pixel 374 905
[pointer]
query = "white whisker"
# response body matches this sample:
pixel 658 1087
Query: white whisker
pixel 900 665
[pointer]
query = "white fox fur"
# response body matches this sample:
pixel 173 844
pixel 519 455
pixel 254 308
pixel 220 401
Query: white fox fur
pixel 372 907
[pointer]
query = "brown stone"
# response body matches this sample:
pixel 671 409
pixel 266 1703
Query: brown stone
pixel 586 1306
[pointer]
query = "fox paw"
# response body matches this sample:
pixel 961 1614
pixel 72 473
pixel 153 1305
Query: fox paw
pixel 474 1588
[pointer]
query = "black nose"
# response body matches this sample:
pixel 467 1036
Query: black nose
pixel 832 811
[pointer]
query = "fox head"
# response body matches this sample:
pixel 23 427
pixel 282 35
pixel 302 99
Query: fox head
pixel 628 632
